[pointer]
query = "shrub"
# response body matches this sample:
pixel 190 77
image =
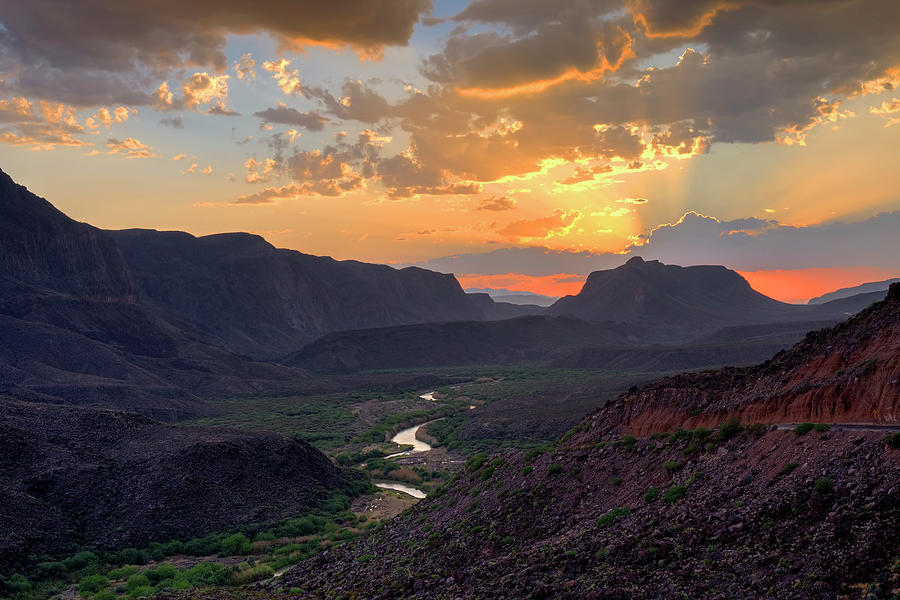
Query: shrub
pixel 138 586
pixel 628 442
pixel 729 428
pixel 651 494
pixel 161 573
pixel 235 544
pixel 50 570
pixel 893 440
pixel 701 433
pixel 252 574
pixel 670 466
pixel 824 485
pixel 105 595
pixel 615 481
pixel 91 584
pixel 475 462
pixel 610 517
pixel 527 469
pixel 821 427
pixel 674 494
pixel 789 467
pixel 487 473
pixel 81 560
pixel 803 428
pixel 554 469
pixel 534 453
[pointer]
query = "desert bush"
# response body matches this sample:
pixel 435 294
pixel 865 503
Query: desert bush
pixel 789 467
pixel 893 440
pixel 651 494
pixel 554 469
pixel 674 494
pixel 475 462
pixel 803 428
pixel 729 428
pixel 824 485
pixel 610 517
pixel 235 544
pixel 91 584
pixel 821 427
pixel 527 469
pixel 670 466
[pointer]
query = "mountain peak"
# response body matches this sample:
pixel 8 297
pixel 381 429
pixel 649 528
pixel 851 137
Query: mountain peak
pixel 634 261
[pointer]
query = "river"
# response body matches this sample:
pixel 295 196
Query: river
pixel 401 487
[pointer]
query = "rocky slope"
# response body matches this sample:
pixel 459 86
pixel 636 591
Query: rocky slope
pixel 75 477
pixel 740 512
pixel 245 295
pixel 849 373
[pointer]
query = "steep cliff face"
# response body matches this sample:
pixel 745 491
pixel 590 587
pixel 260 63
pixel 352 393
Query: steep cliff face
pixel 849 373
pixel 42 248
pixel 242 293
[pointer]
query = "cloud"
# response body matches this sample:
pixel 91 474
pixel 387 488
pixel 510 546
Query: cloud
pixel 285 115
pixel 405 178
pixel 287 79
pixel 15 110
pixel 107 117
pixel 173 122
pixel 543 227
pixel 497 203
pixel 887 109
pixel 244 67
pixel 129 148
pixel 357 102
pixel 750 244
pixel 52 125
pixel 178 157
pixel 105 47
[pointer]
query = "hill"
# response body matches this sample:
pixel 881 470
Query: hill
pixel 875 286
pixel 736 512
pixel 75 478
pixel 523 339
pixel 239 292
pixel 686 302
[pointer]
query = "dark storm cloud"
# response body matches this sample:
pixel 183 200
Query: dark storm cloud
pixel 100 46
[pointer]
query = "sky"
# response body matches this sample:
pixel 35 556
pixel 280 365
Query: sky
pixel 520 144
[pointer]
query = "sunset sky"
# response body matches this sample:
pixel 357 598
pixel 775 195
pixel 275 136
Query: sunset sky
pixel 520 144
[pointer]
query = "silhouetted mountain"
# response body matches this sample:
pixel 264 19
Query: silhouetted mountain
pixel 685 301
pixel 514 297
pixel 875 286
pixel 457 343
pixel 73 330
pixel 75 478
pixel 242 293
pixel 495 310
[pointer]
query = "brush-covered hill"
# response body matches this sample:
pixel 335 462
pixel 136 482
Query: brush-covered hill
pixel 523 339
pixel 731 512
pixel 75 478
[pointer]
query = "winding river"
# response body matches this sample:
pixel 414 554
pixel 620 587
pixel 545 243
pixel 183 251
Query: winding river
pixel 407 437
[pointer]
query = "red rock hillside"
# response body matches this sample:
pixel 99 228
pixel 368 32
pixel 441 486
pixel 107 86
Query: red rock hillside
pixel 847 374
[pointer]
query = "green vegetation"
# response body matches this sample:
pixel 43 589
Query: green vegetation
pixel 610 517
pixel 554 469
pixel 670 466
pixel 824 485
pixel 526 470
pixel 893 440
pixel 475 462
pixel 789 467
pixel 674 494
pixel 140 572
pixel 803 428
pixel 822 427
pixel 729 428
pixel 628 442
pixel 651 494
